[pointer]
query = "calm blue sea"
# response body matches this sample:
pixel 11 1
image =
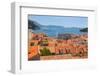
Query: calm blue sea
pixel 53 31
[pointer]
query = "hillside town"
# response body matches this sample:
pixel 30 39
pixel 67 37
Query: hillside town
pixel 64 46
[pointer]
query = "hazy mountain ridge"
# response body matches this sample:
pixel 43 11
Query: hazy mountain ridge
pixel 84 30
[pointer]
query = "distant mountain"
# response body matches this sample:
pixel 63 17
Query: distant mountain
pixel 84 30
pixel 33 25
pixel 55 26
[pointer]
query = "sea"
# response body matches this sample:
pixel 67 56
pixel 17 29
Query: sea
pixel 53 31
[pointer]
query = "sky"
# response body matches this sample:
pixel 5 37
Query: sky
pixel 66 21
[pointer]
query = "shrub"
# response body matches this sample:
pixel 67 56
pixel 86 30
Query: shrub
pixel 45 52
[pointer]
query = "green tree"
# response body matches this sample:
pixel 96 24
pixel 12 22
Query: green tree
pixel 45 52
